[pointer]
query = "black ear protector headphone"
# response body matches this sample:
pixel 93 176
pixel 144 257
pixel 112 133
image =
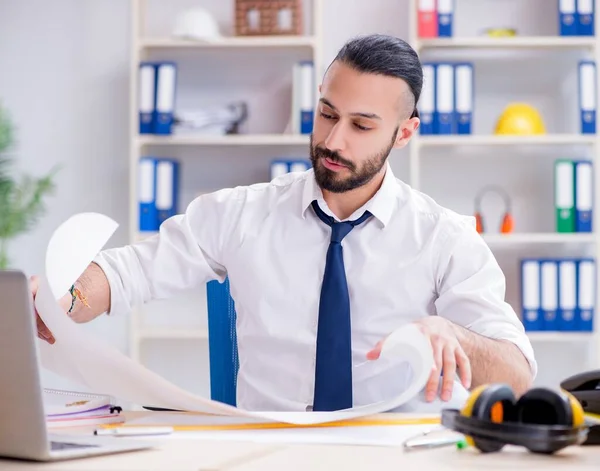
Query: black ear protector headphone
pixel 542 420
pixel 507 224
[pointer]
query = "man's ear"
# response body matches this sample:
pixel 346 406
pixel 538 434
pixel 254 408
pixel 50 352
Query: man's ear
pixel 406 131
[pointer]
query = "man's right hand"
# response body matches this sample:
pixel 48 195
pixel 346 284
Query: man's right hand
pixel 43 331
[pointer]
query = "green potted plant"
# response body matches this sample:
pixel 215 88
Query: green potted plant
pixel 21 201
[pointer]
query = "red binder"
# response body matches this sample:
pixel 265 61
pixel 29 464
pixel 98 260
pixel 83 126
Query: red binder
pixel 427 18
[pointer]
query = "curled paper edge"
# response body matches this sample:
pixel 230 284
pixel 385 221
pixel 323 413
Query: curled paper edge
pixel 73 246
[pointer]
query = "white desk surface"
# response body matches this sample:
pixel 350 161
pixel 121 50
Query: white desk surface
pixel 200 455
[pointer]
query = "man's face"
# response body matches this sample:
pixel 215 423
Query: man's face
pixel 359 119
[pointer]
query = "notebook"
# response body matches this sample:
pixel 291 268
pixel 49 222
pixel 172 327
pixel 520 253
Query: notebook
pixel 72 408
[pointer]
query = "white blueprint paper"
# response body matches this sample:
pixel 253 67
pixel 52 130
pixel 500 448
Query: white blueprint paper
pixel 81 357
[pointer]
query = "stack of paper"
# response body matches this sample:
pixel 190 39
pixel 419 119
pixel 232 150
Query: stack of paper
pixel 69 408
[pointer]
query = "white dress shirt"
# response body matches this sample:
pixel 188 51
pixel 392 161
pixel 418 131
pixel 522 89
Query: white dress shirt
pixel 412 259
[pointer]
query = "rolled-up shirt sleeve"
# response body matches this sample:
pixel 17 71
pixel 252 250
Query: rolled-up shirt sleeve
pixel 186 252
pixel 471 290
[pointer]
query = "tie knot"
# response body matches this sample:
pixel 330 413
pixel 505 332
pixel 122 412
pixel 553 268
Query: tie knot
pixel 339 230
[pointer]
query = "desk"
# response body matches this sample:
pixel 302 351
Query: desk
pixel 197 455
pixel 346 458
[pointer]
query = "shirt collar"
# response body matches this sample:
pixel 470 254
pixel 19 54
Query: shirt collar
pixel 381 205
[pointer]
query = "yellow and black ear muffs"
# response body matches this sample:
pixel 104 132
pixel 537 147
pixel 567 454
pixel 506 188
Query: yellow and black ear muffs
pixel 542 420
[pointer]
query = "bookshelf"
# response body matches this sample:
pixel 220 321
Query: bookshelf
pixel 496 157
pixel 483 153
pixel 237 66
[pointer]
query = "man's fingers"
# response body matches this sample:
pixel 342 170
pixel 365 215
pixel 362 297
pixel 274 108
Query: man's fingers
pixel 43 330
pixel 376 352
pixel 33 285
pixel 434 378
pixel 449 372
pixel 464 367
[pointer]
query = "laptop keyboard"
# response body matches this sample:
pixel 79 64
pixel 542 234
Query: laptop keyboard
pixel 54 446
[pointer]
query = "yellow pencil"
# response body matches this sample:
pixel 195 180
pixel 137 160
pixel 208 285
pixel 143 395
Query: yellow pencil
pixel 281 425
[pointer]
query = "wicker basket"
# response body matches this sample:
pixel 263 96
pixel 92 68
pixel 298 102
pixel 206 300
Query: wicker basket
pixel 268 17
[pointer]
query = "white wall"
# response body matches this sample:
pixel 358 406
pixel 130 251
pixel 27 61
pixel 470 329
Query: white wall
pixel 65 82
pixel 65 76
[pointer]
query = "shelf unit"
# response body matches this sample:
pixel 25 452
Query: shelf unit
pixel 467 48
pixel 142 46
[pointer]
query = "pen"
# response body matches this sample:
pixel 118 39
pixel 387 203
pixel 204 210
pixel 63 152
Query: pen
pixel 434 443
pixel 429 440
pixel 133 431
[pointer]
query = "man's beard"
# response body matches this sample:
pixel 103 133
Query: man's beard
pixel 329 180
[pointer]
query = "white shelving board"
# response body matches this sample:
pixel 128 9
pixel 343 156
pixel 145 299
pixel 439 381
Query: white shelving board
pixel 230 42
pixel 504 140
pixel 513 42
pixel 227 54
pixel 228 140
pixel 514 149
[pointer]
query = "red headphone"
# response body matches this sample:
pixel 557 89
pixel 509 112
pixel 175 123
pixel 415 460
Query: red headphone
pixel 508 224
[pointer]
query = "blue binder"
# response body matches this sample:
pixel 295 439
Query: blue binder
pixel 148 218
pixel 299 165
pixel 445 17
pixel 444 103
pixel 531 312
pixel 307 105
pixel 566 319
pixel 567 17
pixel 283 166
pixel 167 188
pixel 279 167
pixel 586 297
pixel 549 298
pixel 587 96
pixel 166 84
pixel 303 97
pixel 584 195
pixel 147 97
pixel 427 100
pixel 585 17
pixel 463 97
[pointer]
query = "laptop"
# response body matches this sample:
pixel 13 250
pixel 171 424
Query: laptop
pixel 23 430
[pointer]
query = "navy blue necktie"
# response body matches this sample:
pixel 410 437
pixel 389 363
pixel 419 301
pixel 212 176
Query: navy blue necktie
pixel 333 369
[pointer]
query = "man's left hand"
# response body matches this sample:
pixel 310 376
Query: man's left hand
pixel 448 355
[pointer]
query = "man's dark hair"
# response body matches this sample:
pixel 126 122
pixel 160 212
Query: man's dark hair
pixel 385 55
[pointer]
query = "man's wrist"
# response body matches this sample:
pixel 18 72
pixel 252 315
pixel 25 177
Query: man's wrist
pixel 76 297
pixel 464 337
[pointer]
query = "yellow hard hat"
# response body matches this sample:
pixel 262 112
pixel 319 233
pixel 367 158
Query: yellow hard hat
pixel 520 119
